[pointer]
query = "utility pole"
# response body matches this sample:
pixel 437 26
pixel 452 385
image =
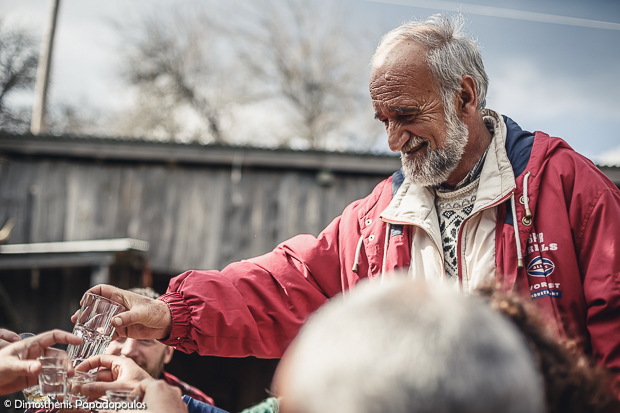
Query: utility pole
pixel 39 111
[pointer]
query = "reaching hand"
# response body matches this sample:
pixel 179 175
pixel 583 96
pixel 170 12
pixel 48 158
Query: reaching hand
pixel 161 397
pixel 144 318
pixel 7 337
pixel 118 373
pixel 18 365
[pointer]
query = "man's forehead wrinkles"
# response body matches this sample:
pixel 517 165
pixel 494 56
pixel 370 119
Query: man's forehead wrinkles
pixel 384 94
pixel 400 76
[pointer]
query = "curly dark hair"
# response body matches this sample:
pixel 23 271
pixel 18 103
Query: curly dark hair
pixel 573 384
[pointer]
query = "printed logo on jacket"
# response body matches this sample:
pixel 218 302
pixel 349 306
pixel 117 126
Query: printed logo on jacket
pixel 539 268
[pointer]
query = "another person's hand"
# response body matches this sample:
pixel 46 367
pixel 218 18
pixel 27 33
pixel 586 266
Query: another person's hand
pixel 161 397
pixel 7 337
pixel 118 373
pixel 144 318
pixel 18 365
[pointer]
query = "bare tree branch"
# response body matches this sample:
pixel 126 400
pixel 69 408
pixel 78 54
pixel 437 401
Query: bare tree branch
pixel 18 68
pixel 283 70
pixel 312 59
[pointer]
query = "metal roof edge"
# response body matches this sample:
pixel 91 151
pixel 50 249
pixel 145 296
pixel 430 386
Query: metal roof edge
pixel 106 149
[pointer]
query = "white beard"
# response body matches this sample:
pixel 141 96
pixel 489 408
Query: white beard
pixel 438 164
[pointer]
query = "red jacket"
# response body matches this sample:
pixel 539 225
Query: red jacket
pixel 572 271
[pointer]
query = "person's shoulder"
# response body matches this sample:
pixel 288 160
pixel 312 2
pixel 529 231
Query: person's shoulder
pixel 558 161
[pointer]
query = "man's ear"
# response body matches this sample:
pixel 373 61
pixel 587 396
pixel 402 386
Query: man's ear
pixel 467 98
pixel 168 354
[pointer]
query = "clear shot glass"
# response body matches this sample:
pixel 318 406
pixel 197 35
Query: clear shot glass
pixel 53 375
pixel 32 393
pixel 94 327
pixel 74 386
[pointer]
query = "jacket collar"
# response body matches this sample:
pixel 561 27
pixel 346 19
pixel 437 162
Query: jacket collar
pixel 415 205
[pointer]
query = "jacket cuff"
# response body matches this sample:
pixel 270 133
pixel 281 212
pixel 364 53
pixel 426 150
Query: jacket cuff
pixel 181 316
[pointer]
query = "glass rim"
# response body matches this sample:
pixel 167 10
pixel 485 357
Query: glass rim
pixel 52 358
pixel 58 361
pixel 102 298
pixel 84 374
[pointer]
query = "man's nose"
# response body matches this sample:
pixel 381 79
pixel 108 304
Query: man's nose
pixel 397 136
pixel 130 348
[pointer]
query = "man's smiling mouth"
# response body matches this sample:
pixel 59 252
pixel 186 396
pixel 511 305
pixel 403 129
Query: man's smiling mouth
pixel 412 149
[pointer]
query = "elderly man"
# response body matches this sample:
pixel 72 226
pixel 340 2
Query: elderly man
pixel 478 199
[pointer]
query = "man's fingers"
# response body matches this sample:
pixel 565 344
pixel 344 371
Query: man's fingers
pixel 33 347
pixel 18 368
pixel 8 335
pixel 50 338
pixel 98 388
pixel 141 388
pixel 128 318
pixel 75 316
pixel 102 360
pixel 144 384
pixel 7 338
pixel 93 363
pixel 108 291
pixel 97 289
pixel 105 375
pixel 95 390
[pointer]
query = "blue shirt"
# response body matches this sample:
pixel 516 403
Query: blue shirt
pixel 194 406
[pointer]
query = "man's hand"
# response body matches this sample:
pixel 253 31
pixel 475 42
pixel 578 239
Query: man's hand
pixel 7 337
pixel 18 365
pixel 118 373
pixel 144 318
pixel 161 397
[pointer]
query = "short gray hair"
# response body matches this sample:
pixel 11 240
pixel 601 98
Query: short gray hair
pixel 451 53
pixel 409 347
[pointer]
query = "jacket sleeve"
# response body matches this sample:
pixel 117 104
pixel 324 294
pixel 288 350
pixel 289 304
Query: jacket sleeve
pixel 598 243
pixel 255 307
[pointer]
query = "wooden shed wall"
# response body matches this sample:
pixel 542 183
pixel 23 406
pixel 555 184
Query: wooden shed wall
pixel 194 217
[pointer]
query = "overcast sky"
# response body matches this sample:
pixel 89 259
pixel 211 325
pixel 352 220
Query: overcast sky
pixel 561 78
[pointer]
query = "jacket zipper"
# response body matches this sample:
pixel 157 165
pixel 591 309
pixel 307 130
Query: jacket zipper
pixel 459 244
pixel 439 250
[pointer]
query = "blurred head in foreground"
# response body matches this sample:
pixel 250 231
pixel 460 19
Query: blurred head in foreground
pixel 150 354
pixel 408 347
